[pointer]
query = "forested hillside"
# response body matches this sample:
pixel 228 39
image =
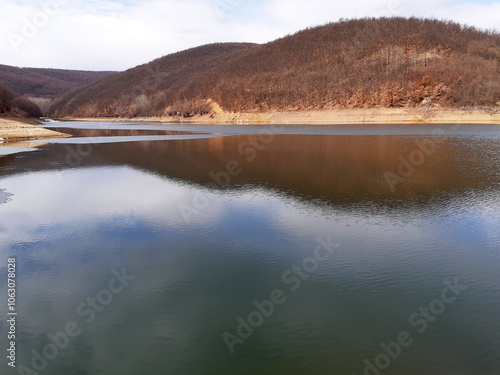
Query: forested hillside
pixel 10 103
pixel 363 63
pixel 45 83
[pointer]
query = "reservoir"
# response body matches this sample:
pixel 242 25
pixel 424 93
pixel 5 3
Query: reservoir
pixel 153 249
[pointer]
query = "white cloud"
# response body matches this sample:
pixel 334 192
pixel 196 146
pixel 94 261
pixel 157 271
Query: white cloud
pixel 300 14
pixel 118 192
pixel 114 35
pixel 480 14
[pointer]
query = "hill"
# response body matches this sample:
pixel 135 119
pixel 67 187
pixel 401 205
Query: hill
pixel 45 83
pixel 13 104
pixel 146 89
pixel 362 63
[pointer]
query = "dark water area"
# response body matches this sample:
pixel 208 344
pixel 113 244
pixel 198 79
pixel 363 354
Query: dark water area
pixel 338 250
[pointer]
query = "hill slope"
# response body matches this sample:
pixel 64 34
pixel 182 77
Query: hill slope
pixel 13 104
pixel 146 89
pixel 387 62
pixel 45 83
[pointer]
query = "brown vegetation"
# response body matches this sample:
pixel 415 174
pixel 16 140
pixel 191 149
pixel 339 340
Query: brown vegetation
pixel 363 63
pixel 46 83
pixel 12 103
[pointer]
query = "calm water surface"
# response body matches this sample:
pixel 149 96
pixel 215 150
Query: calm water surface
pixel 352 231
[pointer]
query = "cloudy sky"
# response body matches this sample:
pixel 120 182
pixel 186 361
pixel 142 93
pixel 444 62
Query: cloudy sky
pixel 120 34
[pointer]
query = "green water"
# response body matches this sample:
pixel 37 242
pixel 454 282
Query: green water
pixel 329 244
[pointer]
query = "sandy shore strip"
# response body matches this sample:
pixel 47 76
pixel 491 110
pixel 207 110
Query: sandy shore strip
pixel 334 117
pixel 14 131
pixel 387 116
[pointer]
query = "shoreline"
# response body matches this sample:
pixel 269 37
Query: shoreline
pixel 329 117
pixel 14 129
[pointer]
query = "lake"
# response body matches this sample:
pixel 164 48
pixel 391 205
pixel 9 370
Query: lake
pixel 143 248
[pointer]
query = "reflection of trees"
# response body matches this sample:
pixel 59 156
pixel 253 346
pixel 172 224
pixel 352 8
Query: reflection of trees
pixel 334 169
pixel 324 167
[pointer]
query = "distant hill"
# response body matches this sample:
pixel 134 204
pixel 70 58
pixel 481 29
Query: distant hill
pixel 13 104
pixel 367 63
pixel 45 83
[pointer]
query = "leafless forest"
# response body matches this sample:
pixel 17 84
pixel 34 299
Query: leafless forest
pixel 13 103
pixel 46 83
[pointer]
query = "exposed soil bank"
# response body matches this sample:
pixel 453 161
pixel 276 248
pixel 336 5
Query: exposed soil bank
pixel 334 117
pixel 14 129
